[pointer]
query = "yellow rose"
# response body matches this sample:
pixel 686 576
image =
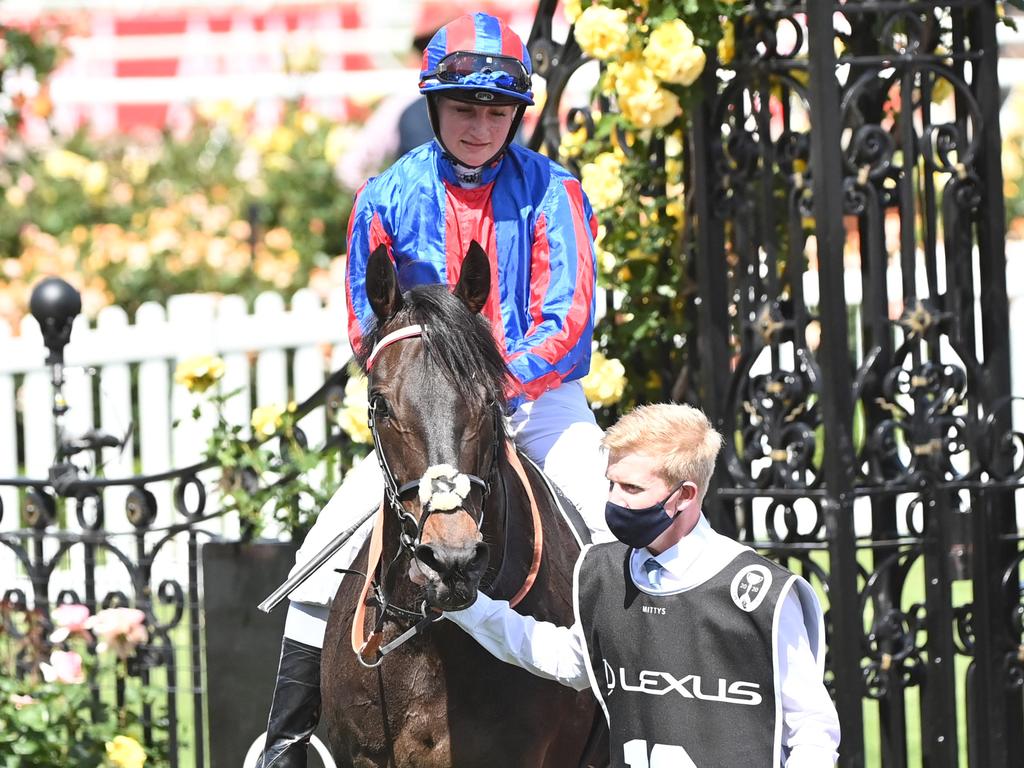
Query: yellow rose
pixel 307 122
pixel 571 10
pixel 136 166
pixel 605 382
pixel 352 417
pixel 64 164
pixel 94 178
pixel 602 33
pixel 282 139
pixel 606 261
pixel 15 197
pixel 267 419
pixel 602 181
pixel 572 142
pixel 674 209
pixel 337 141
pixel 942 89
pixel 672 54
pixel 642 99
pixel 199 373
pixel 125 752
pixel 727 45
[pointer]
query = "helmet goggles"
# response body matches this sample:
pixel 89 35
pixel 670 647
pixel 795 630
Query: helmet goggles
pixel 483 69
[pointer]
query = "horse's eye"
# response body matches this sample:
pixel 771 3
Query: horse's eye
pixel 379 407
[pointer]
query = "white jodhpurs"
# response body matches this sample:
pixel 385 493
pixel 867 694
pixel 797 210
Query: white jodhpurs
pixel 558 431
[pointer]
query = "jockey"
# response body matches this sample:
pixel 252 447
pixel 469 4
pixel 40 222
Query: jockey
pixel 533 219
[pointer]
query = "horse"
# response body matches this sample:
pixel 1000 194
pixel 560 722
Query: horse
pixel 437 699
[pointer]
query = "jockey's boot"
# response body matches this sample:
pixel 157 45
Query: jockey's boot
pixel 295 709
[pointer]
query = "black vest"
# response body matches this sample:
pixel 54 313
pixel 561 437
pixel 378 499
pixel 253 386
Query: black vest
pixel 685 679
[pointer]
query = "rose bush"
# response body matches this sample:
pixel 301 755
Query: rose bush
pixel 631 160
pixel 289 485
pixel 225 207
pixel 50 715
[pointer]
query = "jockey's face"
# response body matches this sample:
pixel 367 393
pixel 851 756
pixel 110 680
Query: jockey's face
pixel 474 133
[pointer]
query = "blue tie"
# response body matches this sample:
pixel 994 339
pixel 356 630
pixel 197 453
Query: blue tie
pixel 653 568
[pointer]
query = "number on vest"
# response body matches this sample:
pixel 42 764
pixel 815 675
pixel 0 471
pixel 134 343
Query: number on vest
pixel 662 755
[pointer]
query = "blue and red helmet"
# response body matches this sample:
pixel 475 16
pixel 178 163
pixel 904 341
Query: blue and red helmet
pixel 479 59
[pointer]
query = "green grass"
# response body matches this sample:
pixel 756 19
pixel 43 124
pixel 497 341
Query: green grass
pixel 180 637
pixel 913 592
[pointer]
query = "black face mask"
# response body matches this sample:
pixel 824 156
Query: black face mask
pixel 639 527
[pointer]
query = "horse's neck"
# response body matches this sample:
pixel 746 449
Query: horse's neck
pixel 510 531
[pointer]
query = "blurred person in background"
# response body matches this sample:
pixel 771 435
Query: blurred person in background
pixel 400 122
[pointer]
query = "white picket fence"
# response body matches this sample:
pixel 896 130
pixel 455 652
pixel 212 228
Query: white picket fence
pixel 254 345
pixel 286 352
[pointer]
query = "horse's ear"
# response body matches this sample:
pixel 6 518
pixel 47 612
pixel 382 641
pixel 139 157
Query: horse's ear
pixel 474 284
pixel 382 284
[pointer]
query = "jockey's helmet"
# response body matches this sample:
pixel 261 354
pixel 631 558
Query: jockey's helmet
pixel 477 59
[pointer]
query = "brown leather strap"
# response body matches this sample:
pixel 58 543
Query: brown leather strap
pixel 360 643
pixel 538 531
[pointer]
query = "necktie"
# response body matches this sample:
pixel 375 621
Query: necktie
pixel 653 568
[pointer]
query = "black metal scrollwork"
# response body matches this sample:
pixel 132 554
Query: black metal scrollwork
pixel 929 458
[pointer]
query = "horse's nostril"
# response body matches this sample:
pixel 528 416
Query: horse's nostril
pixel 480 555
pixel 446 561
pixel 426 555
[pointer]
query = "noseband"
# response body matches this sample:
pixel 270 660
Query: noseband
pixel 412 530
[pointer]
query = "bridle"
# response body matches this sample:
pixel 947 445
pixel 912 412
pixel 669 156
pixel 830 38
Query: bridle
pixel 412 530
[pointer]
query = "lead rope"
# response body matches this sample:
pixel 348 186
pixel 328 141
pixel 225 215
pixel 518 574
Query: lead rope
pixel 361 644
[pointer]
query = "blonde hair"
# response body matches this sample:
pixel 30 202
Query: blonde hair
pixel 679 437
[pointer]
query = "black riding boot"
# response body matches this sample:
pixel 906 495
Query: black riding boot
pixel 295 709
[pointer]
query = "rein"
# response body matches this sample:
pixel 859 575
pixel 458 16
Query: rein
pixel 538 530
pixel 370 645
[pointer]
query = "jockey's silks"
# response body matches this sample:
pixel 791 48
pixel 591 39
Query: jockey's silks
pixel 537 227
pixel 688 678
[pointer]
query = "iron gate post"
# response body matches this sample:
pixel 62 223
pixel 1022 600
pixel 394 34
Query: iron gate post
pixel 995 708
pixel 840 457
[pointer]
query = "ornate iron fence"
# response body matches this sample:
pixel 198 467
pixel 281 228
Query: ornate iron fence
pixel 89 564
pixel 872 451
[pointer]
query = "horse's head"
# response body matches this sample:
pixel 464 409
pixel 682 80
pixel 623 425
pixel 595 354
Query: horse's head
pixel 436 392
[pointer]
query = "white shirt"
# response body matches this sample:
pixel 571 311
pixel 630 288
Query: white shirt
pixel 810 728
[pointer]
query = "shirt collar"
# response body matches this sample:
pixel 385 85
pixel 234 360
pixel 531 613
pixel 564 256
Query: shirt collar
pixel 681 556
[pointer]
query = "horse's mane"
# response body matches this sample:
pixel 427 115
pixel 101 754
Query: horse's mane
pixel 458 341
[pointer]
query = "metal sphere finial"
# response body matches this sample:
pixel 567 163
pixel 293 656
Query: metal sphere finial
pixel 55 304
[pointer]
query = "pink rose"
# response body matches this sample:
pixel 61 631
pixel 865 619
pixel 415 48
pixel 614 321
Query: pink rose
pixel 64 667
pixel 68 620
pixel 19 701
pixel 119 630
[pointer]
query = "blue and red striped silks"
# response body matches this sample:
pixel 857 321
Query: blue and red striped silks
pixel 534 221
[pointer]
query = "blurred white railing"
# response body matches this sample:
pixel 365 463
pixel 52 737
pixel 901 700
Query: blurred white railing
pixel 119 377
